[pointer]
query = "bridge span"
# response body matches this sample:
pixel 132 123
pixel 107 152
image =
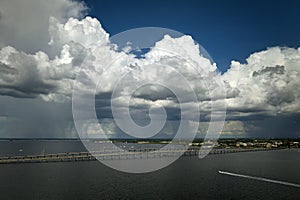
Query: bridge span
pixel 141 153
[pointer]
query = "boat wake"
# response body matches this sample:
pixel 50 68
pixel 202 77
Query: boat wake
pixel 260 179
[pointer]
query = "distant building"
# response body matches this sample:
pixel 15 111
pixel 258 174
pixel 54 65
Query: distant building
pixel 269 145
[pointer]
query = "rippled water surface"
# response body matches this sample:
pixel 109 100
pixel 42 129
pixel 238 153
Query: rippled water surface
pixel 187 178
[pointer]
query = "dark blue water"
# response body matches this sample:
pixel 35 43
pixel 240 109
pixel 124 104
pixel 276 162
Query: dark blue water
pixel 187 178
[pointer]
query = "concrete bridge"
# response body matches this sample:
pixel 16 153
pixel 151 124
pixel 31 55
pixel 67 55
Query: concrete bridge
pixel 142 153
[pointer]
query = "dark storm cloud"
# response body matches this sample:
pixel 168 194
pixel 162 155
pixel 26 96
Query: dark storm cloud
pixel 160 93
pixel 113 131
pixel 137 111
pixel 279 97
pixel 6 69
pixel 247 116
pixel 281 126
pixel 29 90
pixel 270 71
pixel 26 87
pixel 103 105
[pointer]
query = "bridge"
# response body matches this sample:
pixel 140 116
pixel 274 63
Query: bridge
pixel 141 153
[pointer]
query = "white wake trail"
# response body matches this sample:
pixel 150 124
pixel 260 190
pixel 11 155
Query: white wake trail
pixel 260 179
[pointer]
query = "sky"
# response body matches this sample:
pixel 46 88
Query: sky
pixel 52 52
pixel 228 30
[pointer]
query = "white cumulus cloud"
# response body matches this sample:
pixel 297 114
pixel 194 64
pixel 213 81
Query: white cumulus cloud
pixel 266 85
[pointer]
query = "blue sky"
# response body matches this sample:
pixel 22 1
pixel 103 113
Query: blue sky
pixel 228 30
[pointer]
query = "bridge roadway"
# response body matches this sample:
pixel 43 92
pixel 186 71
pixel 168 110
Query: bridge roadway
pixel 145 153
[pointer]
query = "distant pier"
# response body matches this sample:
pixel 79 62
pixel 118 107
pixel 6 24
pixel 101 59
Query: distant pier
pixel 141 153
